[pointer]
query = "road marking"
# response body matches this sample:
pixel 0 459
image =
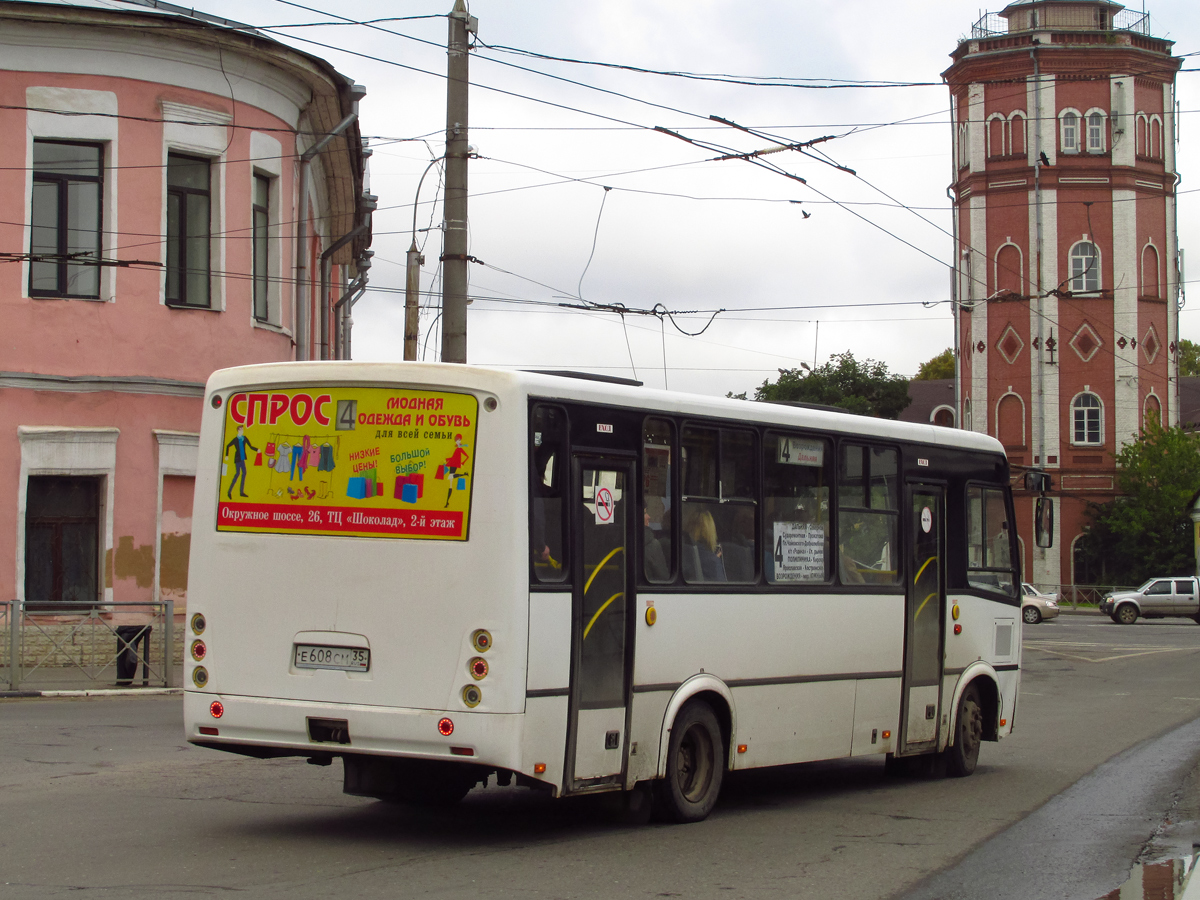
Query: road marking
pixel 1119 656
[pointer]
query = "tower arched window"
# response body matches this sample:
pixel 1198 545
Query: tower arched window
pixel 1142 134
pixel 1151 411
pixel 1096 131
pixel 1010 421
pixel 1087 420
pixel 1009 270
pixel 997 145
pixel 1149 271
pixel 1069 131
pixel 1016 133
pixel 1156 150
pixel 1085 268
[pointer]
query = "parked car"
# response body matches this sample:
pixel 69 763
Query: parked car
pixel 1157 598
pixel 1036 606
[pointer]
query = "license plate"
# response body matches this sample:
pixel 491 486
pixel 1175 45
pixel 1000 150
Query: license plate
pixel 345 659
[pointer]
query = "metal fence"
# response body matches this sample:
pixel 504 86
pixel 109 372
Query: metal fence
pixel 117 644
pixel 994 25
pixel 1077 595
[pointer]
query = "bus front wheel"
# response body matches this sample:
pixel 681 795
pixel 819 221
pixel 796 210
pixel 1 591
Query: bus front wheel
pixel 695 765
pixel 963 755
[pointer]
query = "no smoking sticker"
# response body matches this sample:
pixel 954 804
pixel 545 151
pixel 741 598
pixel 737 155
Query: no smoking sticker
pixel 606 506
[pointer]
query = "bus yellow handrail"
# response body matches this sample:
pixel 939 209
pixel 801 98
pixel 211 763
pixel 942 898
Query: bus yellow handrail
pixel 601 609
pixel 599 566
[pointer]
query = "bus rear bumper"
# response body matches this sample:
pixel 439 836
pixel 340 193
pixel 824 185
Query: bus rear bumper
pixel 259 726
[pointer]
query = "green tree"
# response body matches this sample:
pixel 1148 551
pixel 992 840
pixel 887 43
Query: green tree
pixel 1147 531
pixel 866 387
pixel 941 366
pixel 1189 357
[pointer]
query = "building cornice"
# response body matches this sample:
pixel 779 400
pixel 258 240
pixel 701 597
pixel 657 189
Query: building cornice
pixel 91 384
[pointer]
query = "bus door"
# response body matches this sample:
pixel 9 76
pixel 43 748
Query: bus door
pixel 605 497
pixel 923 616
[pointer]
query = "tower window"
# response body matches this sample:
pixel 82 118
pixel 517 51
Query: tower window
pixel 1070 132
pixel 1087 416
pixel 1085 268
pixel 1095 132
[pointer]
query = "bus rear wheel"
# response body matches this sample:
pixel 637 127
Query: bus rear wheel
pixel 963 755
pixel 695 765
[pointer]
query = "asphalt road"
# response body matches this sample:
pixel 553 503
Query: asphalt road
pixel 103 796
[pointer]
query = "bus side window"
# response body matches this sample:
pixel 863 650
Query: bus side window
pixel 547 493
pixel 868 515
pixel 657 536
pixel 796 534
pixel 718 543
pixel 989 541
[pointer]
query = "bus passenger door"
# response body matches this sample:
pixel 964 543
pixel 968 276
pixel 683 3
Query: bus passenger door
pixel 605 495
pixel 923 614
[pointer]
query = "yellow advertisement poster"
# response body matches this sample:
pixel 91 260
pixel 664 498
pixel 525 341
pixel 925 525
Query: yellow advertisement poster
pixel 361 462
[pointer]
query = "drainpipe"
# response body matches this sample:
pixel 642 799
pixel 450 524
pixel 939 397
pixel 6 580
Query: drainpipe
pixel 357 92
pixel 369 203
pixel 343 307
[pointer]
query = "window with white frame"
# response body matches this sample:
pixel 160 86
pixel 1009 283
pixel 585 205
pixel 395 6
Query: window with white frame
pixel 1087 419
pixel 261 246
pixel 1069 131
pixel 189 217
pixel 65 219
pixel 1095 132
pixel 1085 268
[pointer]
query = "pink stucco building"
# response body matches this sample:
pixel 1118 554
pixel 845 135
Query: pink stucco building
pixel 168 206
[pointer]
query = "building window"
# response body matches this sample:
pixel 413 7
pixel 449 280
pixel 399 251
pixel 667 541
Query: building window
pixel 1085 268
pixel 65 220
pixel 1070 132
pixel 62 528
pixel 1087 416
pixel 1016 134
pixel 189 211
pixel 1095 132
pixel 261 249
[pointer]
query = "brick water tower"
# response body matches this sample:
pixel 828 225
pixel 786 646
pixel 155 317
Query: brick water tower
pixel 1066 279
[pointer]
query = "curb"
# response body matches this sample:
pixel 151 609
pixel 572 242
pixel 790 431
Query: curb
pixel 99 692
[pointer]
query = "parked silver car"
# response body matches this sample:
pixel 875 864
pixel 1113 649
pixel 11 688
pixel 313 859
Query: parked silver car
pixel 1036 605
pixel 1158 597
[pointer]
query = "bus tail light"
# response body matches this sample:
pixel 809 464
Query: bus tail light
pixel 478 668
pixel 198 623
pixel 472 696
pixel 539 768
pixel 957 628
pixel 216 709
pixel 445 727
pixel 199 676
pixel 199 651
pixel 481 640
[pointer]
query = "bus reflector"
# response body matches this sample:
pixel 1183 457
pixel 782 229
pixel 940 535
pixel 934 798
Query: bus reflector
pixel 445 727
pixel 208 729
pixel 481 640
pixel 462 751
pixel 958 629
pixel 216 709
pixel 539 768
pixel 886 735
pixel 198 650
pixel 742 748
pixel 478 668
pixel 1003 722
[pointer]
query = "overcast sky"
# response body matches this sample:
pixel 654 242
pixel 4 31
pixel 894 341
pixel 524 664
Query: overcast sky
pixel 678 228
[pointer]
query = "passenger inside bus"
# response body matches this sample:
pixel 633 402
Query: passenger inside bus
pixel 701 550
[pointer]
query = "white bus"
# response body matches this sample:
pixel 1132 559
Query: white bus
pixel 442 573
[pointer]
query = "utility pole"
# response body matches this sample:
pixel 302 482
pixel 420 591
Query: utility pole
pixel 454 233
pixel 412 288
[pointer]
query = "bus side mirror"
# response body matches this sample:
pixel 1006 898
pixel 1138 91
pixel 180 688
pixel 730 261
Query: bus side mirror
pixel 1043 525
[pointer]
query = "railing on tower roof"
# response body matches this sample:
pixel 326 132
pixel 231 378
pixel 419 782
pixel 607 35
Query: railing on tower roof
pixel 995 25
